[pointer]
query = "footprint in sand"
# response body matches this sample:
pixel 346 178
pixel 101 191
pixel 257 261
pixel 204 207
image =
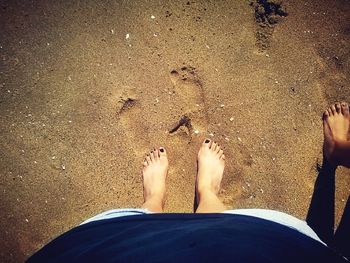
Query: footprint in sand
pixel 129 114
pixel 268 14
pixel 187 86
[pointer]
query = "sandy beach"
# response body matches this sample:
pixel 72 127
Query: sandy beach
pixel 87 88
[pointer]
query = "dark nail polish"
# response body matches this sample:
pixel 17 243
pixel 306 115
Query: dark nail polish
pixel 207 141
pixel 161 149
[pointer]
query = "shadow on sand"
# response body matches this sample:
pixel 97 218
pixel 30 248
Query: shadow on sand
pixel 321 212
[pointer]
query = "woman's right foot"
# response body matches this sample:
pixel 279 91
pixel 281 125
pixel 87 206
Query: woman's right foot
pixel 155 169
pixel 336 121
pixel 211 163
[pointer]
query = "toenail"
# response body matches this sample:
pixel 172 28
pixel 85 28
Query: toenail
pixel 207 141
pixel 161 149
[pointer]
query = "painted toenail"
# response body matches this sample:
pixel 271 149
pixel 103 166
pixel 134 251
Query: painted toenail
pixel 161 149
pixel 207 141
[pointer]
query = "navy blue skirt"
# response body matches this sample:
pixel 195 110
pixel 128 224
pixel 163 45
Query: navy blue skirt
pixel 184 238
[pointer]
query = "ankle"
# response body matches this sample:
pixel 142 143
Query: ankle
pixel 205 192
pixel 153 206
pixel 155 197
pixel 339 141
pixel 335 153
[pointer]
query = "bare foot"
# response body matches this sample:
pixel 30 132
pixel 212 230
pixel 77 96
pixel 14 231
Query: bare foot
pixel 155 168
pixel 336 120
pixel 211 164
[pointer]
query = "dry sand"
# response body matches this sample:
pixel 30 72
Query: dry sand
pixel 87 88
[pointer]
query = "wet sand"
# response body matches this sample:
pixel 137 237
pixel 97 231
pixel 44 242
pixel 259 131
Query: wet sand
pixel 88 88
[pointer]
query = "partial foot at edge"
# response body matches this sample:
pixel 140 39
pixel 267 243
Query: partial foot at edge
pixel 336 121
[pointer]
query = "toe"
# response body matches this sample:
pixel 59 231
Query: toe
pixel 162 152
pixel 207 143
pixel 337 107
pixel 222 157
pixel 330 113
pixel 145 163
pixel 345 108
pixel 325 115
pixel 213 146
pixel 218 148
pixel 221 153
pixel 333 109
pixel 156 154
pixel 148 159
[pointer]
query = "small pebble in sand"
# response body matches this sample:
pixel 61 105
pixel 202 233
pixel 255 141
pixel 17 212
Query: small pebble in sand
pixel 211 134
pixel 153 17
pixel 127 36
pixel 157 100
pixel 35 162
pixel 231 119
pixel 227 139
pixel 63 167
pixel 238 138
pixel 70 121
pixel 26 220
pixel 273 158
pixel 53 157
pixel 222 105
pixel 196 132
pixel 112 31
